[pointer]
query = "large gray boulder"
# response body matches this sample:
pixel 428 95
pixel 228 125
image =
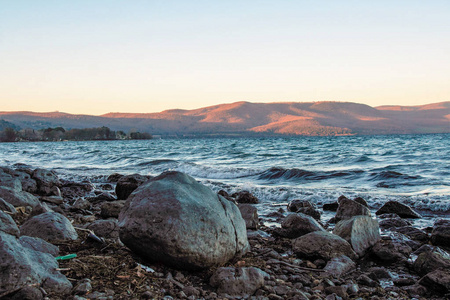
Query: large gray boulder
pixel 440 236
pixel 18 198
pixel 127 184
pixel 22 266
pixel 362 232
pixel 323 245
pixel 49 226
pixel 395 207
pixel 237 282
pixel 176 220
pixel 46 180
pixel 298 224
pixel 349 208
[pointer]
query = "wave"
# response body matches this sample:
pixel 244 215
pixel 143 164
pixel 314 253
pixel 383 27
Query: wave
pixel 383 175
pixel 155 162
pixel 299 174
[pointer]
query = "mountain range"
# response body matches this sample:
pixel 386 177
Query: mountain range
pixel 256 119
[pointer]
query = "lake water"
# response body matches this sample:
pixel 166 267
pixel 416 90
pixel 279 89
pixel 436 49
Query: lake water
pixel 413 169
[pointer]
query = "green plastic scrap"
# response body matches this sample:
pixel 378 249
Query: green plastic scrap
pixel 69 256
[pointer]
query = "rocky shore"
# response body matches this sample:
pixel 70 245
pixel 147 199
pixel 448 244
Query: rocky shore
pixel 170 237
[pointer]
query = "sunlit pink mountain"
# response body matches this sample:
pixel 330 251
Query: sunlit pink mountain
pixel 245 118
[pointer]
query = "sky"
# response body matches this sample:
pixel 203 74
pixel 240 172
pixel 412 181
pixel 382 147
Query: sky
pixel 95 57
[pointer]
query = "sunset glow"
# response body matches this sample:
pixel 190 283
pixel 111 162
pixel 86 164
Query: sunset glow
pixel 95 57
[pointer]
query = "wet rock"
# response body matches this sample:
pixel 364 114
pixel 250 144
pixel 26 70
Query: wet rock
pixel 437 281
pixel 367 281
pixel 404 281
pixel 106 186
pixel 8 225
pixel 28 184
pixel 226 196
pixel 49 226
pixel 349 208
pixel 112 209
pixel 176 220
pixel 245 197
pixel 339 266
pixel 390 223
pixel 440 236
pixel 362 232
pixel 74 190
pixel 52 199
pixel 40 209
pixel 237 282
pixel 333 206
pixel 403 210
pixel 378 273
pixel 250 215
pixel 338 290
pixel 416 290
pixel 9 181
pixel 114 177
pixel 103 196
pixel 298 224
pixel 22 266
pixel 388 216
pixel 105 228
pixel 304 207
pixel 81 204
pixel 7 207
pixel 18 198
pixel 127 184
pixel 361 201
pixel 322 244
pixel 389 250
pixel 38 244
pixel 413 233
pixel 431 260
pixel 83 287
pixel 46 180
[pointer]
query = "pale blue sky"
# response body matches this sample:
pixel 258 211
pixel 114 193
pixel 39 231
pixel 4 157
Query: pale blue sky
pixel 96 57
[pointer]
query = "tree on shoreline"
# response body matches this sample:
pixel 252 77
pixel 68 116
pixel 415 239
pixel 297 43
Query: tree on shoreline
pixel 75 134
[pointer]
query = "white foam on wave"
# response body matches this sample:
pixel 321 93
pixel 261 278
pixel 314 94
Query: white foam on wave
pixel 215 172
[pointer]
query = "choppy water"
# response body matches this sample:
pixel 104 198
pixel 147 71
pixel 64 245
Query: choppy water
pixel 414 169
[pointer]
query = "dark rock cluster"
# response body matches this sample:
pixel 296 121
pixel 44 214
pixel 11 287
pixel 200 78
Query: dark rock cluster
pixel 170 237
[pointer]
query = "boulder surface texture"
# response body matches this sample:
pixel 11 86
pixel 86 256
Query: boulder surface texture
pixel 398 208
pixel 237 282
pixel 49 226
pixel 21 266
pixel 322 244
pixel 362 232
pixel 176 220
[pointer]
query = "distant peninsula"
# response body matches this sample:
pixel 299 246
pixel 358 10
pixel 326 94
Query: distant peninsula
pixel 253 119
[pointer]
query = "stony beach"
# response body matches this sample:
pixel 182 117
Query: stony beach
pixel 170 237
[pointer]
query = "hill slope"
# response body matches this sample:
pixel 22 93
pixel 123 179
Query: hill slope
pixel 245 118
